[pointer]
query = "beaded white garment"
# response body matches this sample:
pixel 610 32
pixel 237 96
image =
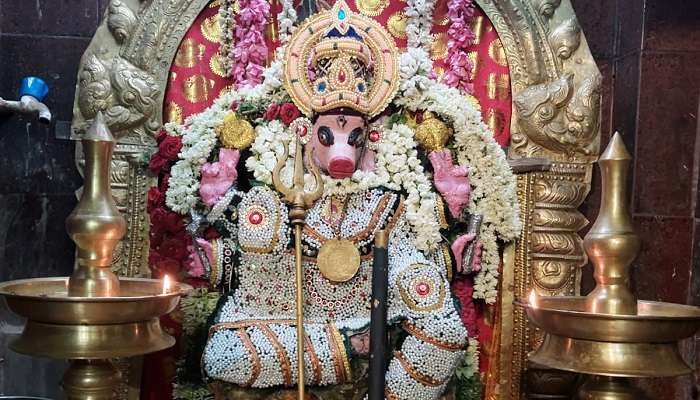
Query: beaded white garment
pixel 419 296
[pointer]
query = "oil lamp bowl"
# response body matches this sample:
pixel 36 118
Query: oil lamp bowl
pixel 642 345
pixel 62 326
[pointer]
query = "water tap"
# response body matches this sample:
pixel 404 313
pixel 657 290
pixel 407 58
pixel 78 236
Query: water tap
pixel 32 92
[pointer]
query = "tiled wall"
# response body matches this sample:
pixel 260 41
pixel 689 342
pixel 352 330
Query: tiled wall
pixel 647 50
pixel 37 173
pixel 649 54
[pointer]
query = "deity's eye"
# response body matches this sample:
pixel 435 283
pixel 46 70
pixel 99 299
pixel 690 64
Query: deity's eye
pixel 357 137
pixel 325 136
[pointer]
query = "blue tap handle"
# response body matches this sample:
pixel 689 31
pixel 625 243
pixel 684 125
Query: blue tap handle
pixel 35 87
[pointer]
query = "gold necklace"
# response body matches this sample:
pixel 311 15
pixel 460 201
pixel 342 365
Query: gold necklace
pixel 338 259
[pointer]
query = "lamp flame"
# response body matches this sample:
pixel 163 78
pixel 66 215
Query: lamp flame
pixel 166 284
pixel 533 299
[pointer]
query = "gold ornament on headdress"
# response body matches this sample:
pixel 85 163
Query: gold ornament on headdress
pixel 339 58
pixel 235 132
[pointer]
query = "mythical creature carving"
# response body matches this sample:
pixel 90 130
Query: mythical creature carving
pixel 546 8
pixel 566 38
pixel 126 94
pixel 121 20
pixel 559 119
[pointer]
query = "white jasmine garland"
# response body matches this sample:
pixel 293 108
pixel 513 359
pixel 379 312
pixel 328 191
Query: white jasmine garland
pixel 420 22
pixel 397 167
pixel 493 184
pixel 286 20
pixel 199 137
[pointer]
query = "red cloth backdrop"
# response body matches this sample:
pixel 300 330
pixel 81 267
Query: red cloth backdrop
pixel 197 79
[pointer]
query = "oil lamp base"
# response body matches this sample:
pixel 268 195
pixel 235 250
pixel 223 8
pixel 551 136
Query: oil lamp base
pixel 608 388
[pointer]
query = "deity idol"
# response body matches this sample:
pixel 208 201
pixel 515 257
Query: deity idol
pixel 397 152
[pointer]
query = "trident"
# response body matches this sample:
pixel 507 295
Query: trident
pixel 299 201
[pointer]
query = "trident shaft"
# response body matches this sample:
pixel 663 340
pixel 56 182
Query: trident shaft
pixel 299 201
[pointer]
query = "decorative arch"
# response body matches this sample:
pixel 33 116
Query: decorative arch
pixel 555 136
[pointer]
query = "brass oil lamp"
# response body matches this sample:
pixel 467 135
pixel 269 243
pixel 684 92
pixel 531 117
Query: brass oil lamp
pixel 93 315
pixel 609 334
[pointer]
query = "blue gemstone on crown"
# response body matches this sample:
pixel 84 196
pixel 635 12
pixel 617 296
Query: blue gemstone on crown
pixel 341 15
pixel 361 87
pixel 322 87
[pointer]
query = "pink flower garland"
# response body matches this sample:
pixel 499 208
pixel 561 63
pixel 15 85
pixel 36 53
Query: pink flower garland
pixel 250 49
pixel 461 37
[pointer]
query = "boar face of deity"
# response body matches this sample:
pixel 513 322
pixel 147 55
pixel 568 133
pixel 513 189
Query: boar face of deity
pixel 338 142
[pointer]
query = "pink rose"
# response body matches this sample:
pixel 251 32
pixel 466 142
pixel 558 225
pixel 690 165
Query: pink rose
pixel 288 113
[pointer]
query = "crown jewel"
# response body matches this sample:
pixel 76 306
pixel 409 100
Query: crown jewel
pixel 341 59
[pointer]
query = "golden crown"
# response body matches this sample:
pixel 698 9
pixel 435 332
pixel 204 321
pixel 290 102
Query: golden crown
pixel 339 58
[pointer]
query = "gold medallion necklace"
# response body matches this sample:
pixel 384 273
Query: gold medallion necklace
pixel 338 259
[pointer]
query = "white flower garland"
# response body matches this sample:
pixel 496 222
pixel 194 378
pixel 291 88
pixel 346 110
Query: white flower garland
pixel 494 188
pixel 397 167
pixel 420 22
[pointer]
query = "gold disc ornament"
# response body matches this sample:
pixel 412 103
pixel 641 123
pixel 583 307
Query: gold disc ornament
pixel 338 260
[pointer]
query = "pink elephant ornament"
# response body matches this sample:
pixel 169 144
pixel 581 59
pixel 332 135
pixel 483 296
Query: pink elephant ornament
pixel 451 180
pixel 338 144
pixel 195 266
pixel 458 247
pixel 219 176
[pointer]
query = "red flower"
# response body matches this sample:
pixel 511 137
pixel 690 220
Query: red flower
pixel 158 164
pixel 170 147
pixel 174 247
pixel 166 220
pixel 166 266
pixel 211 233
pixel 161 135
pixel 164 182
pixel 272 112
pixel 156 199
pixel 289 112
pixel 463 289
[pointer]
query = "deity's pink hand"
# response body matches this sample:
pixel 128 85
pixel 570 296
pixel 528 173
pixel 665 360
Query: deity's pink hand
pixel 194 263
pixel 452 181
pixel 458 250
pixel 218 177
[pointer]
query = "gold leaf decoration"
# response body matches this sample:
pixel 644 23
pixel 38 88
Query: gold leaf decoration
pixel 196 88
pixel 211 29
pixel 438 49
pixel 173 113
pixel 396 25
pixel 186 56
pixel 498 86
pixel 371 8
pixel 498 53
pixel 216 64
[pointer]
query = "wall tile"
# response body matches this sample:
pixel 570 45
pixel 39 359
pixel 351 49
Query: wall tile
pixel 625 96
pixel 667 127
pixel 672 25
pixel 597 19
pixel 33 239
pixel 33 161
pixel 662 269
pixel 629 26
pixel 55 59
pixel 45 17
